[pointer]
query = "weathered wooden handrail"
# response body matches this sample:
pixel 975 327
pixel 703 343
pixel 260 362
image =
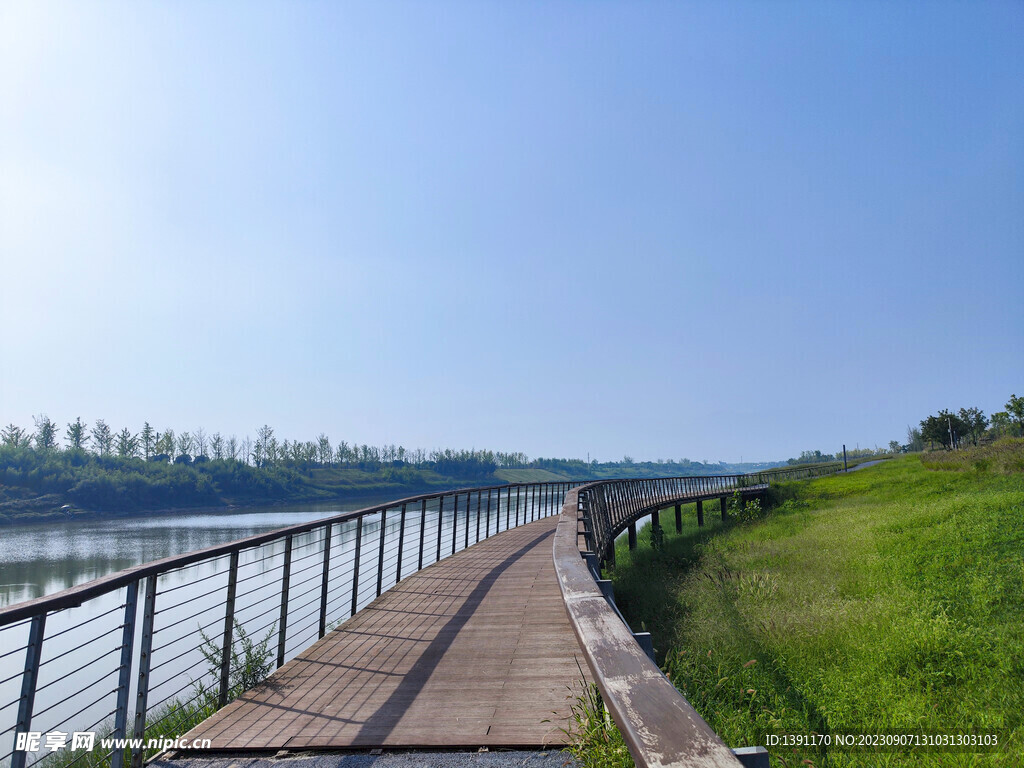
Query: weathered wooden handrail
pixel 658 724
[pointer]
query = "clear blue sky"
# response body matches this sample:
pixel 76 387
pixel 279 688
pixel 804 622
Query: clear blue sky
pixel 705 230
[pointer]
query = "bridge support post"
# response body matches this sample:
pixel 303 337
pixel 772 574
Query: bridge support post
pixel 700 511
pixel 643 639
pixel 610 555
pixel 723 501
pixel 656 517
pixel 632 535
pixel 752 757
pixel 679 518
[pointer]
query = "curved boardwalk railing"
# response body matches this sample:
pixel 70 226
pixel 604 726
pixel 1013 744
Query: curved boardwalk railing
pixel 114 653
pixel 658 724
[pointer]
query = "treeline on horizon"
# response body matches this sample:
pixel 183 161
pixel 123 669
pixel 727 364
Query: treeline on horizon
pixel 948 429
pixel 98 467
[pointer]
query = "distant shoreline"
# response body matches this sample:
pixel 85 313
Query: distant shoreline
pixel 40 510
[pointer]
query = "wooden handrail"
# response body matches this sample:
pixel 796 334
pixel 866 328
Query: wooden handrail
pixel 658 724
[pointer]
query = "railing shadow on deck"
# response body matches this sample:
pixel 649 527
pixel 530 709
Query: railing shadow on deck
pixel 659 726
pixel 85 655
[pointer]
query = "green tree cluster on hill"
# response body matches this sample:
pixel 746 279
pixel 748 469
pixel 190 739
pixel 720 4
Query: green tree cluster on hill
pixel 970 425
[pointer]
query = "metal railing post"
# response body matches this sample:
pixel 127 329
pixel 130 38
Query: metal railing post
pixel 33 654
pixel 401 546
pixel 380 551
pixel 145 658
pixel 124 675
pixel 423 531
pixel 324 579
pixel 355 569
pixel 440 522
pixel 229 626
pixel 455 521
pixel 478 505
pixel 286 577
pixel 487 528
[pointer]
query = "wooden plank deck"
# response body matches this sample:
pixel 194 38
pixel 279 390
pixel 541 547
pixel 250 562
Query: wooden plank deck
pixel 473 651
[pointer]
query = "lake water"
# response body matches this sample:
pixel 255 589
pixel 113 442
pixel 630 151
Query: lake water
pixel 37 560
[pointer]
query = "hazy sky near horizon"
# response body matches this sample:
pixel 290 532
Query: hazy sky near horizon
pixel 705 230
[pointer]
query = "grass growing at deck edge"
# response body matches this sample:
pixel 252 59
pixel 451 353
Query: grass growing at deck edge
pixel 886 600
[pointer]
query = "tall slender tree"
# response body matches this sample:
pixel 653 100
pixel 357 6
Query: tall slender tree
pixel 165 443
pixel 102 438
pixel 45 436
pixel 1015 407
pixel 324 451
pixel 975 421
pixel 13 436
pixel 147 439
pixel 217 445
pixel 127 444
pixel 184 444
pixel 77 436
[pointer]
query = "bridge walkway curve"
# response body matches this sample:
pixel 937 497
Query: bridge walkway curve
pixel 473 651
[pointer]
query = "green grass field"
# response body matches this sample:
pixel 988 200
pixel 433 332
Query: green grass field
pixel 887 600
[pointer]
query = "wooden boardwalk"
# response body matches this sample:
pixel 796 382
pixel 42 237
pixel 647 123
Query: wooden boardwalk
pixel 473 651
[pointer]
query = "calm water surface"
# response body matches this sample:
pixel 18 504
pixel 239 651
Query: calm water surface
pixel 37 560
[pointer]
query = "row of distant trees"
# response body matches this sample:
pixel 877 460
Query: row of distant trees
pixel 946 428
pixel 263 451
pixel 966 426
pixel 817 457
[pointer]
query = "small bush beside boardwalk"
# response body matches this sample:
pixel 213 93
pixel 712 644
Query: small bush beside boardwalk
pixel 889 600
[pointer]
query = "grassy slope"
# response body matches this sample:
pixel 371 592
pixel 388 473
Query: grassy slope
pixel 888 599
